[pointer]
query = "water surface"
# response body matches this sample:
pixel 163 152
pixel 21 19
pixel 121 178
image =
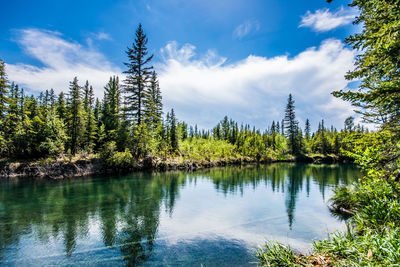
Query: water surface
pixel 215 217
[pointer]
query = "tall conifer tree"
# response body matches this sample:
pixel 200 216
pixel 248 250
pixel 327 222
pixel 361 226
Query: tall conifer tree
pixel 291 126
pixel 111 106
pixel 138 75
pixel 154 102
pixel 307 129
pixel 75 112
pixel 4 87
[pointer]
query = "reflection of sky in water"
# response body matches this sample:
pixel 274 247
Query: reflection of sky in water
pixel 256 215
pixel 193 219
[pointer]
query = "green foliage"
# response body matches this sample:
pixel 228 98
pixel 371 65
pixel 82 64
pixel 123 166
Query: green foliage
pixel 369 249
pixel 44 126
pixel 153 103
pixel 141 143
pixel 138 76
pixel 292 128
pixel 3 89
pixel 54 136
pixel 343 198
pixel 208 149
pixel 75 119
pixel 111 108
pixel 111 158
pixel 276 254
pixel 173 135
pixel 377 66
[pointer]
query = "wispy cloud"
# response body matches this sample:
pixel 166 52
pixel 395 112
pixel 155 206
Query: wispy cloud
pixel 203 89
pixel 102 36
pixel 247 27
pixel 62 60
pixel 323 20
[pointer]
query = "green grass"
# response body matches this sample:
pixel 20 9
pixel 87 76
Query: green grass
pixel 373 232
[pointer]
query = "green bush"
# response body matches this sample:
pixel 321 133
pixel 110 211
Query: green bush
pixel 114 159
pixel 208 149
pixel 343 198
pixel 276 254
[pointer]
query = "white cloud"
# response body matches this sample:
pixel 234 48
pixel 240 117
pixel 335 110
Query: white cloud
pixel 323 20
pixel 247 27
pixel 102 36
pixel 204 89
pixel 62 60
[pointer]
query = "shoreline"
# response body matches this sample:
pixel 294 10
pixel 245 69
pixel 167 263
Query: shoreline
pixel 94 166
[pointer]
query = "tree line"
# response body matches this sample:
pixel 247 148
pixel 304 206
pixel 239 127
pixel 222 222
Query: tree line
pixel 128 123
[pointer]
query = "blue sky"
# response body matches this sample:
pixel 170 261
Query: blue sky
pixel 214 58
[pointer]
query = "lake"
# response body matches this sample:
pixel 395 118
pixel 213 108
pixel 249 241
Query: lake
pixel 213 217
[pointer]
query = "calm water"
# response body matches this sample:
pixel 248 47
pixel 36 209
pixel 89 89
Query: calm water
pixel 215 217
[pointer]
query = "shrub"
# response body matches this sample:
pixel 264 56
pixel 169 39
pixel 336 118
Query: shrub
pixel 209 149
pixel 114 159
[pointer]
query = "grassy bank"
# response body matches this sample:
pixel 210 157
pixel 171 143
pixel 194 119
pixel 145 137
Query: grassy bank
pixel 373 231
pixel 118 162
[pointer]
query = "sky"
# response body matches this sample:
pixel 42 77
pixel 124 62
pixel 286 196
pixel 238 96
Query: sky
pixel 239 58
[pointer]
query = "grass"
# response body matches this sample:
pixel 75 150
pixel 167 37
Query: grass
pixel 372 237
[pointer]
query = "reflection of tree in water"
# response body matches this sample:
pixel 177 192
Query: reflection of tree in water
pixel 294 186
pixel 288 178
pixel 128 208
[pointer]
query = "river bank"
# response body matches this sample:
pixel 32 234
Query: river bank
pixel 84 166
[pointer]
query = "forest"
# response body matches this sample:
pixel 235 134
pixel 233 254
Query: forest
pixel 373 230
pixel 127 125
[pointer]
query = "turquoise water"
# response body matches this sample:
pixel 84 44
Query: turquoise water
pixel 215 217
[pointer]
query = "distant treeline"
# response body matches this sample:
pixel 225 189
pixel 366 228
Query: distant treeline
pixel 128 124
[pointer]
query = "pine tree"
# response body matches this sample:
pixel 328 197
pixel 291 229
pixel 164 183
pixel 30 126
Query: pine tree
pixel 111 107
pixel 138 75
pixel 307 129
pixel 75 122
pixel 4 87
pixel 324 141
pixel 100 129
pixel 291 126
pixel 61 107
pixel 12 119
pixel 273 134
pixel 90 127
pixel 377 63
pixel 173 136
pixel 153 103
pixel 349 124
pixel 52 99
pixel 86 96
pixel 21 105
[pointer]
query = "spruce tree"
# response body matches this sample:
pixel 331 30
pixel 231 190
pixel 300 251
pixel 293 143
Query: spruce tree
pixel 273 134
pixel 307 129
pixel 90 127
pixel 21 105
pixel 324 141
pixel 85 101
pixel 173 135
pixel 153 103
pixel 75 119
pixel 349 124
pixel 111 107
pixel 52 99
pixel 61 107
pixel 137 77
pixel 291 126
pixel 4 88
